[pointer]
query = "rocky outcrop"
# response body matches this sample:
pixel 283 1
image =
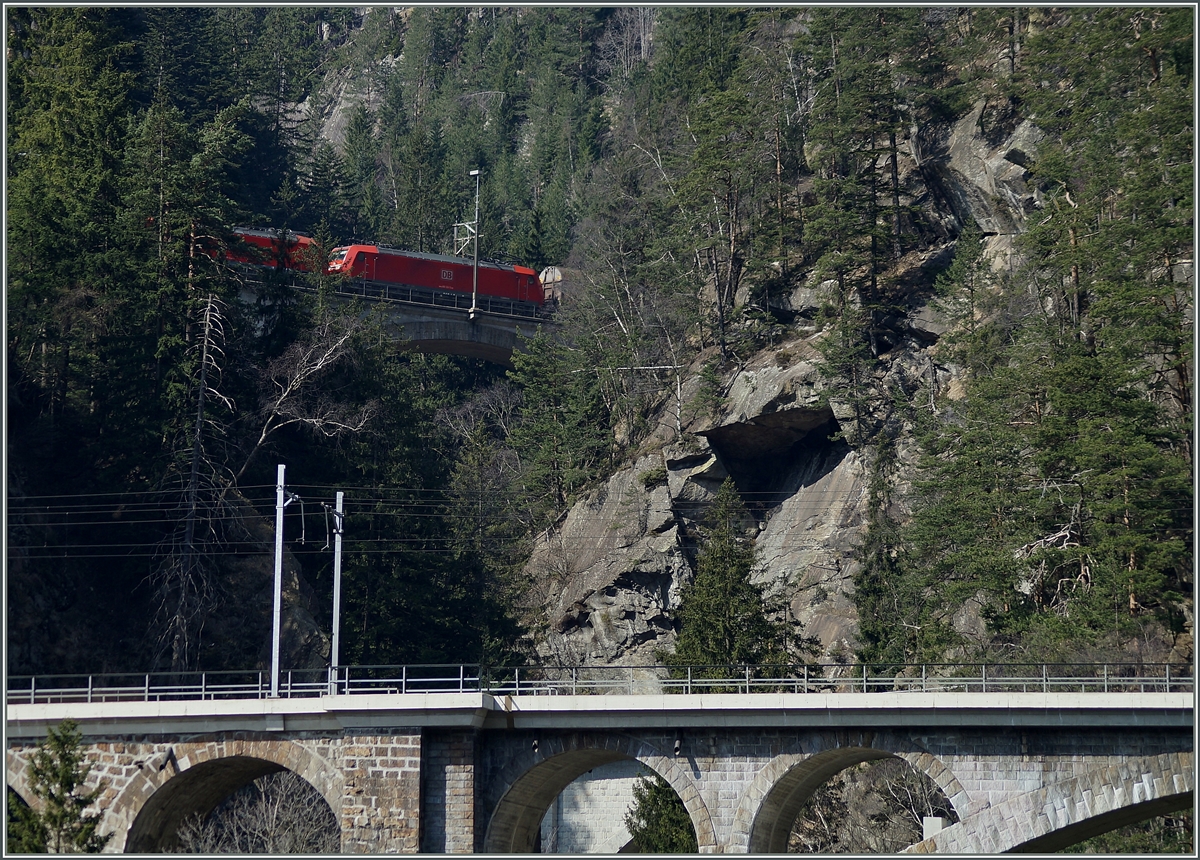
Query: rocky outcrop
pixel 610 575
pixel 612 571
pixel 980 182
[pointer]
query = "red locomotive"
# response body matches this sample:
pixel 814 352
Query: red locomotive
pixel 378 268
pixel 272 248
pixel 436 272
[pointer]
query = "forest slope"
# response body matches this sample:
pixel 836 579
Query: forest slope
pixel 918 279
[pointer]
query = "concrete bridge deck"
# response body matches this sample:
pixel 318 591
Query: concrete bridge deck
pixel 476 771
pixel 484 711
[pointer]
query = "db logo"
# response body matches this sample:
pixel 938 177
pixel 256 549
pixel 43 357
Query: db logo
pixel 447 274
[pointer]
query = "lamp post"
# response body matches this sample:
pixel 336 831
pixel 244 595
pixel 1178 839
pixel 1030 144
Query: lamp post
pixel 475 266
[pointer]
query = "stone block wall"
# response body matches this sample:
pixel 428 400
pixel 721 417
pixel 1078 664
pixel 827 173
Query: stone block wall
pixel 588 817
pixel 449 793
pixel 403 790
pixel 381 809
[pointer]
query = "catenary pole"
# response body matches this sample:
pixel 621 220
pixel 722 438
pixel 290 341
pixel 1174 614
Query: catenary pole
pixel 475 267
pixel 337 592
pixel 279 505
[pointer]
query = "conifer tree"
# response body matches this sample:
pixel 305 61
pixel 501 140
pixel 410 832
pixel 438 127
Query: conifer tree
pixel 722 615
pixel 658 821
pixel 62 824
pixel 561 435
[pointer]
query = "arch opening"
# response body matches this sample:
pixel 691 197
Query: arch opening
pixel 14 796
pixel 279 813
pixel 1088 836
pixel 588 816
pixel 192 796
pixel 849 800
pixel 515 825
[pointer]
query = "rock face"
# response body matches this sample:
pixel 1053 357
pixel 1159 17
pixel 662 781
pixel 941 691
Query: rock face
pixel 609 576
pixel 611 572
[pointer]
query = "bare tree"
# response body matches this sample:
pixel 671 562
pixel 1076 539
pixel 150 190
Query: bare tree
pixel 279 813
pixel 627 41
pixel 294 390
pixel 872 808
pixel 183 574
pixel 298 388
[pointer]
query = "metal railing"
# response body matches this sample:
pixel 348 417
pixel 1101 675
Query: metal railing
pixel 381 291
pixel 607 680
pixel 404 294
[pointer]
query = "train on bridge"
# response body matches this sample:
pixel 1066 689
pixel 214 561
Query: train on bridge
pixel 382 265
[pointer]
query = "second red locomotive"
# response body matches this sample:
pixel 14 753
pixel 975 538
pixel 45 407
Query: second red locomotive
pixel 272 248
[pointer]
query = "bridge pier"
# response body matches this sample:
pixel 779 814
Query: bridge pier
pixel 449 792
pixel 462 773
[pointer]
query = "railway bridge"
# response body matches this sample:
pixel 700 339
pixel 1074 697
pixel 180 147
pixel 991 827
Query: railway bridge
pixel 461 762
pixel 442 321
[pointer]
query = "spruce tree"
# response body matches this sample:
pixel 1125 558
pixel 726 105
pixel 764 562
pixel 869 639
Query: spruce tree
pixel 62 824
pixel 723 619
pixel 658 821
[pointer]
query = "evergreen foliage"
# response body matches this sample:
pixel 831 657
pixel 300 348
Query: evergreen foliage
pixel 1057 490
pixel 690 168
pixel 61 824
pixel 723 617
pixel 658 821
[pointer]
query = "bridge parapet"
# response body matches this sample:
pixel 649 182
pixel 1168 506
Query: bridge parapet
pixel 463 769
pixel 445 321
pixel 742 679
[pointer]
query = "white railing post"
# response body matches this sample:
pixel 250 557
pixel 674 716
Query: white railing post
pixel 983 677
pixel 89 689
pixel 146 689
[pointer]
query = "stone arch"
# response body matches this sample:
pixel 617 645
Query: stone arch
pixel 533 778
pixel 16 775
pixel 772 801
pixel 1063 813
pixel 194 777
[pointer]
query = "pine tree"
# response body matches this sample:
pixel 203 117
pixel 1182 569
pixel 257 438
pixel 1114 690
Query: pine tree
pixel 359 166
pixel 562 433
pixel 62 825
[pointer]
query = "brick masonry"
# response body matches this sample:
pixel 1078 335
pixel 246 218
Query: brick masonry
pixel 400 790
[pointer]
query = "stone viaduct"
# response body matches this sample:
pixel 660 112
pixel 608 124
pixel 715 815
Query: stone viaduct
pixel 473 772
